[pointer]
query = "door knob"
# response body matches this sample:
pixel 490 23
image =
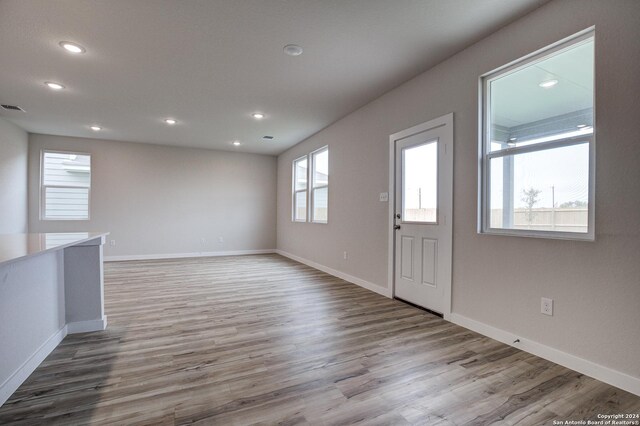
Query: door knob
pixel 398 215
pixel 396 227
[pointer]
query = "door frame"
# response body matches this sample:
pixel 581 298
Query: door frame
pixel 444 121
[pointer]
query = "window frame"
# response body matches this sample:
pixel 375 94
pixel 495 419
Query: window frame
pixel 43 187
pixel 296 191
pixel 313 187
pixel 484 140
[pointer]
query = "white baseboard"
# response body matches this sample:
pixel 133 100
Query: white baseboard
pixel 186 255
pixel 87 326
pixel 350 278
pixel 588 368
pixel 24 371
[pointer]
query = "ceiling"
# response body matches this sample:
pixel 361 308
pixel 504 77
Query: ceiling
pixel 210 64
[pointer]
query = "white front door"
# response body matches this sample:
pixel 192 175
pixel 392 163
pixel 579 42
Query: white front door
pixel 422 215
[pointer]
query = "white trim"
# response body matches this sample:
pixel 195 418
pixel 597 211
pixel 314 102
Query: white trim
pixel 350 278
pixel 87 326
pixel 543 146
pixel 588 368
pixel 29 366
pixel 443 121
pixel 543 53
pixel 160 256
pixel 24 371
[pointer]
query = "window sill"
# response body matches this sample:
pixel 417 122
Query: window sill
pixel 64 220
pixel 549 235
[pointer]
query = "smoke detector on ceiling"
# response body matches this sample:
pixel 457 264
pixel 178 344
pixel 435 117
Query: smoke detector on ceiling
pixel 12 108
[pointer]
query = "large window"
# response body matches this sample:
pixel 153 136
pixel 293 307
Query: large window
pixel 65 185
pixel 538 147
pixel 311 187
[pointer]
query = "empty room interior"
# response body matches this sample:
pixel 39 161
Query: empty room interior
pixel 389 212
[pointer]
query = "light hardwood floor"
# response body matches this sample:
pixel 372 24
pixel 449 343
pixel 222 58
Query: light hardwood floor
pixel 262 339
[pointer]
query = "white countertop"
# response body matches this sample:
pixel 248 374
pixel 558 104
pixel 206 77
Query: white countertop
pixel 19 246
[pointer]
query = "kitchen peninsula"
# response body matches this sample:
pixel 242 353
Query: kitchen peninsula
pixel 51 285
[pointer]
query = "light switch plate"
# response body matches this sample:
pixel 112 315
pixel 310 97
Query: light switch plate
pixel 384 196
pixel 546 306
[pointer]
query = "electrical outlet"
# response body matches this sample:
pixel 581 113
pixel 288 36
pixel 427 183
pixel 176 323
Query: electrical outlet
pixel 203 241
pixel 384 196
pixel 221 240
pixel 345 255
pixel 112 243
pixel 546 306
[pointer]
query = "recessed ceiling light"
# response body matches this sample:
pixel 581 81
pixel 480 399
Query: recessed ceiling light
pixel 170 121
pixel 54 86
pixel 236 143
pixel 72 47
pixel 293 50
pixel 267 138
pixel 257 115
pixel 547 84
pixel 96 128
pixel 580 126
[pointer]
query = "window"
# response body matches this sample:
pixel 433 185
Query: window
pixel 320 185
pixel 313 180
pixel 300 172
pixel 538 147
pixel 420 183
pixel 65 185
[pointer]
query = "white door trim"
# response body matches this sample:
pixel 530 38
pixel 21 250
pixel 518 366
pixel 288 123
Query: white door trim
pixel 445 120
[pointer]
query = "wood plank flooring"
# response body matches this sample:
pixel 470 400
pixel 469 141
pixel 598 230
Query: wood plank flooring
pixel 265 340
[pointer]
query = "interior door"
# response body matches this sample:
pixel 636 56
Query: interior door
pixel 423 207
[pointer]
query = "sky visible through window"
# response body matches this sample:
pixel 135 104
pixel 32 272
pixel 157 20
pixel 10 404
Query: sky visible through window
pixel 321 168
pixel 421 180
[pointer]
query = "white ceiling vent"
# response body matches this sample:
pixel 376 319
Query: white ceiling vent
pixel 12 108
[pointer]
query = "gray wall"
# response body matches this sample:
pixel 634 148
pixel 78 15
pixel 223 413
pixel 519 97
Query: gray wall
pixel 13 178
pixel 163 200
pixel 499 280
